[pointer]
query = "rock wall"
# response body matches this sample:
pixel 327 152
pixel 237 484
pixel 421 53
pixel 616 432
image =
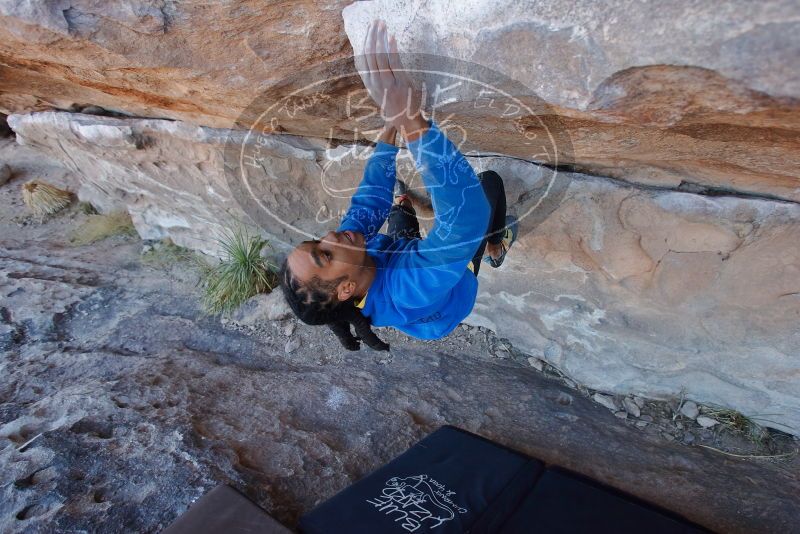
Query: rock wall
pixel 201 62
pixel 657 93
pixel 167 174
pixel 623 288
pixel 660 292
pixel 671 264
pixel 669 93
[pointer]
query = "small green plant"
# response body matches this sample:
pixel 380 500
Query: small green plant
pixel 98 227
pixel 242 273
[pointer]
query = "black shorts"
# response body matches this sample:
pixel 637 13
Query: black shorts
pixel 403 221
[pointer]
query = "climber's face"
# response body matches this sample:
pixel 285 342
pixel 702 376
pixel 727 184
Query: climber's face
pixel 338 255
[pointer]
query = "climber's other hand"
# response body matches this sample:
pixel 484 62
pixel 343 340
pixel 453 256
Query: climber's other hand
pixel 388 84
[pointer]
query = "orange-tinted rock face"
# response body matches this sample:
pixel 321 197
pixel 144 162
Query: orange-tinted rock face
pixel 667 126
pixel 692 96
pixel 201 62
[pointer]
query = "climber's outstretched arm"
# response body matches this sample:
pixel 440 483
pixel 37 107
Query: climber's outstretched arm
pixel 371 204
pixel 428 268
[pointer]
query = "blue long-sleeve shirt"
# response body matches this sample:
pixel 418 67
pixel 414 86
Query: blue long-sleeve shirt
pixel 422 286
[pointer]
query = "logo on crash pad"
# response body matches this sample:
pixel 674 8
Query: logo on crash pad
pixel 416 502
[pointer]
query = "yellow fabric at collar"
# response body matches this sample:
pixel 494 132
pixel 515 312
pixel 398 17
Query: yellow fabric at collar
pixel 360 304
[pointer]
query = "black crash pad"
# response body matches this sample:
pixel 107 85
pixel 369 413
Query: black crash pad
pixel 456 482
pixel 450 482
pixel 565 503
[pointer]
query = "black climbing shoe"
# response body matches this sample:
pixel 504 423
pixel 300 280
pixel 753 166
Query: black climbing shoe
pixel 511 230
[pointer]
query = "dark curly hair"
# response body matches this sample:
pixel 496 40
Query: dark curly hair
pixel 314 302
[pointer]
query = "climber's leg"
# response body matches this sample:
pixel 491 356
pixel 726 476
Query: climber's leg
pixel 495 193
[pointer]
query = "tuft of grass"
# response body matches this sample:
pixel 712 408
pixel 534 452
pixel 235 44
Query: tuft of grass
pixel 44 199
pixel 242 273
pixel 739 424
pixel 168 253
pixel 98 227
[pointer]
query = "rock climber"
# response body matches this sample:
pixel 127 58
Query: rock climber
pixel 423 287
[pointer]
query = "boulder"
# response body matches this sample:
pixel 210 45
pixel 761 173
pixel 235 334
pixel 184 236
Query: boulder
pixel 262 308
pixel 689 409
pixel 656 292
pixel 706 422
pixel 631 407
pixel 606 401
pixel 625 289
pixel 566 50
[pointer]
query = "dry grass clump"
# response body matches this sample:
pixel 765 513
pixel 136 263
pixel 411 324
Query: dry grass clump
pixel 241 274
pixel 98 227
pixel 44 199
pixel 739 424
pixel 167 253
pixel 770 444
